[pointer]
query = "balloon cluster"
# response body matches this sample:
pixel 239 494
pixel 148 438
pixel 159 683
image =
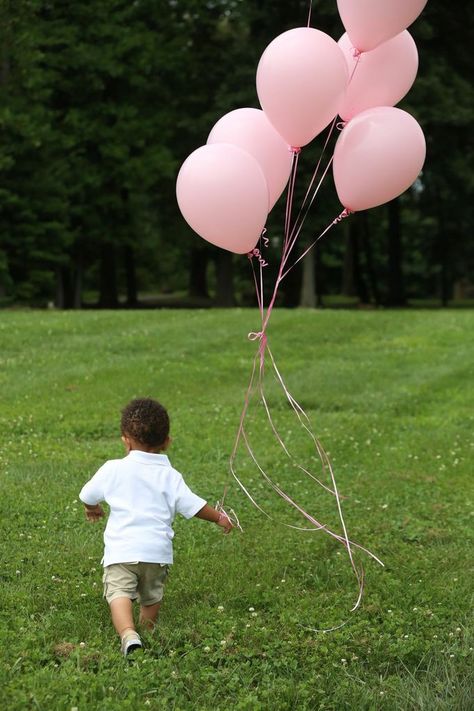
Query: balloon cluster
pixel 226 188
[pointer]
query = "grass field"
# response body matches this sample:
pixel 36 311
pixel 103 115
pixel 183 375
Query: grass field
pixel 391 397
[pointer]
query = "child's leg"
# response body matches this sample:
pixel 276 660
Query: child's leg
pixel 148 615
pixel 151 581
pixel 122 615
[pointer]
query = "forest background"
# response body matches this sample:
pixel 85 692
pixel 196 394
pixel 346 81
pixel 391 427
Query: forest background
pixel 101 101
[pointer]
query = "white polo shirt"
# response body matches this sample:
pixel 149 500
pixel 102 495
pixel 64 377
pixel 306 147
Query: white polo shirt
pixel 144 493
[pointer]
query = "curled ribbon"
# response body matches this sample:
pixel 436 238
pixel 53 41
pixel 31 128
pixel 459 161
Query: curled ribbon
pixel 256 253
pixel 345 213
pixel 255 335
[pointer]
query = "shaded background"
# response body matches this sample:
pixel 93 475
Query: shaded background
pixel 102 101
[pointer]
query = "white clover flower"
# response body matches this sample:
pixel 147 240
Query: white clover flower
pixel 207 649
pixel 220 608
pixel 251 609
pixel 223 642
pixel 82 644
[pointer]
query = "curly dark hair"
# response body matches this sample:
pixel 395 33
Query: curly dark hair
pixel 147 421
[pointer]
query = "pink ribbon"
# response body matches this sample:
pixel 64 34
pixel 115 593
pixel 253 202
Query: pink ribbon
pixel 256 253
pixel 256 388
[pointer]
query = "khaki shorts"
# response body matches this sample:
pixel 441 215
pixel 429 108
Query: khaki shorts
pixel 142 581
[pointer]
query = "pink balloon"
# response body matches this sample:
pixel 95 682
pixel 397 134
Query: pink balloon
pixel 371 22
pixel 251 130
pixel 301 78
pixel 378 155
pixel 381 77
pixel 223 195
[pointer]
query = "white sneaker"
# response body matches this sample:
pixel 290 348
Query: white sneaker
pixel 130 643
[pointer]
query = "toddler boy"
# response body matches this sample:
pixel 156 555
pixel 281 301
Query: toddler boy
pixel 144 494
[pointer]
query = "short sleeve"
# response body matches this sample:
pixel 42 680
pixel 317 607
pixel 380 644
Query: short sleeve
pixel 187 503
pixel 92 493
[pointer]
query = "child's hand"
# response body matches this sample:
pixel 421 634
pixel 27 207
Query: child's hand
pixel 225 523
pixel 94 513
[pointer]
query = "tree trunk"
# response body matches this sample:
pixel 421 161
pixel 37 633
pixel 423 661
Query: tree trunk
pixel 353 283
pixel 348 287
pixel 108 298
pixel 308 282
pixel 60 298
pixel 367 248
pixel 318 275
pixel 396 288
pixel 442 254
pixel 291 286
pixel 198 273
pixel 130 276
pixel 77 286
pixel 69 287
pixel 225 279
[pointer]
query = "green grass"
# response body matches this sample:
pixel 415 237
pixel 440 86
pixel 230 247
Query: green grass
pixel 389 394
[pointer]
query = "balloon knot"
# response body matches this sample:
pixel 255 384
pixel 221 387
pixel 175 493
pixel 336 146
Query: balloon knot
pixel 262 337
pixel 294 149
pixel 340 125
pixel 256 253
pixel 356 53
pixel 345 213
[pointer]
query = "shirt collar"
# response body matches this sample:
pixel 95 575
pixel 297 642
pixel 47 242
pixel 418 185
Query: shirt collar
pixel 148 457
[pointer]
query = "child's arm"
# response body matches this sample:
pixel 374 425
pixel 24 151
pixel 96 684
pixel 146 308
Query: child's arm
pixel 94 513
pixel 92 494
pixel 208 513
